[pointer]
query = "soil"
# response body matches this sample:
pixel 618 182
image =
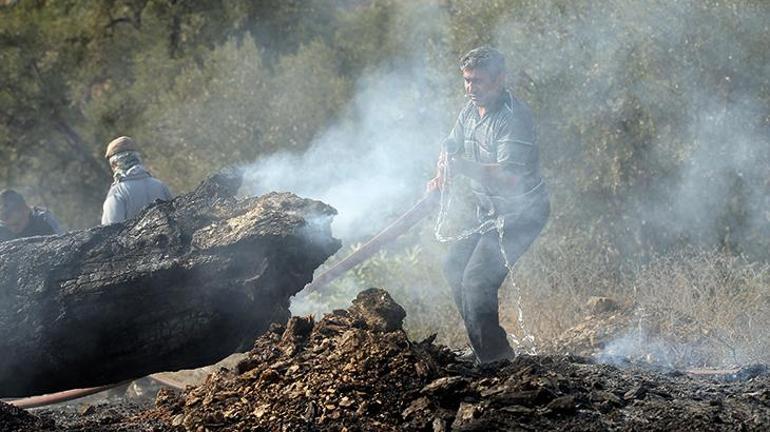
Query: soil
pixel 356 370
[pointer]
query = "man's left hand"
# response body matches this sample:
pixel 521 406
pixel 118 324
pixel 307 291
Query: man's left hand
pixel 459 165
pixel 480 172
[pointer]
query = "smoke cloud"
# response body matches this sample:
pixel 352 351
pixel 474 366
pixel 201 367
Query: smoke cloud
pixel 649 126
pixel 372 163
pixel 658 133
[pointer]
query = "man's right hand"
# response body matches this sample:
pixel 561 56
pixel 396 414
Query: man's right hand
pixel 434 184
pixel 438 181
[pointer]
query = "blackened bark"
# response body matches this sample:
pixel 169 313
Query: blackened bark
pixel 184 284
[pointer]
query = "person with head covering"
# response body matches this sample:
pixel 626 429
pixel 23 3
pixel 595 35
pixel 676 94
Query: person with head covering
pixel 134 188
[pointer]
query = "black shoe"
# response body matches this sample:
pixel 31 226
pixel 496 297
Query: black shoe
pixel 502 357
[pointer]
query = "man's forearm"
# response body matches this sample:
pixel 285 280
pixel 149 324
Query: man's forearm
pixel 481 172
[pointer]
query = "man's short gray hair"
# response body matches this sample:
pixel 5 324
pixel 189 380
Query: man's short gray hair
pixel 484 57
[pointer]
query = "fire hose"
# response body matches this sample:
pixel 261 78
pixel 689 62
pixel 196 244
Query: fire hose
pixel 68 395
pixel 421 209
pixel 50 399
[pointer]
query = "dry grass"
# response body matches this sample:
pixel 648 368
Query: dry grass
pixel 725 297
pixel 555 282
pixel 698 295
pixel 715 305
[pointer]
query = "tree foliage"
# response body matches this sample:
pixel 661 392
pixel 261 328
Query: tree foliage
pixel 653 117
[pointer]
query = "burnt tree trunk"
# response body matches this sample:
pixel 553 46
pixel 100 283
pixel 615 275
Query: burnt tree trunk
pixel 183 285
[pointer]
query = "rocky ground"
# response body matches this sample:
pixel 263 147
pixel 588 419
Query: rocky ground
pixel 356 370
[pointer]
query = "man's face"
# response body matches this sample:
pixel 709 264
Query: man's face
pixel 482 87
pixel 16 220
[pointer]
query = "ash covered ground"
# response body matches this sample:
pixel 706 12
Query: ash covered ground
pixel 356 370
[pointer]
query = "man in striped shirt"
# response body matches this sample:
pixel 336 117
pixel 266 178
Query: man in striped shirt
pixel 493 145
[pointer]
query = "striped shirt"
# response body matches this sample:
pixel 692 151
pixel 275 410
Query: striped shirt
pixel 505 136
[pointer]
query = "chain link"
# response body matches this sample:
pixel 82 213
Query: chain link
pixel 527 343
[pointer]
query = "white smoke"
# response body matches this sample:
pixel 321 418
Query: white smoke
pixel 374 162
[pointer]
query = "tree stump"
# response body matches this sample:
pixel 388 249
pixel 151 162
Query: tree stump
pixel 185 284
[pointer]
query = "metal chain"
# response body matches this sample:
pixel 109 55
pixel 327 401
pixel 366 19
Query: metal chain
pixel 527 338
pixel 497 223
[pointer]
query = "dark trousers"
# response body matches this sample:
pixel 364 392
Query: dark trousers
pixel 475 268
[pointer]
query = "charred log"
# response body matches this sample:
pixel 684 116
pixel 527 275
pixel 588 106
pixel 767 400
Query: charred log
pixel 183 285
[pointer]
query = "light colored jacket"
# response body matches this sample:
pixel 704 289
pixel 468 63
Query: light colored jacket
pixel 129 195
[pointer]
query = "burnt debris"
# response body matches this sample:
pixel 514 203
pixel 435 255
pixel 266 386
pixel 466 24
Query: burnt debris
pixel 186 283
pixel 356 370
